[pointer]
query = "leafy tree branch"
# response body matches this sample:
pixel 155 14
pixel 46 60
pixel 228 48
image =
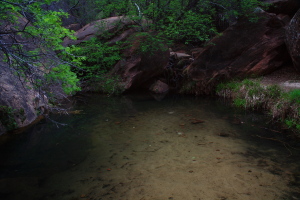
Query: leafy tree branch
pixel 29 37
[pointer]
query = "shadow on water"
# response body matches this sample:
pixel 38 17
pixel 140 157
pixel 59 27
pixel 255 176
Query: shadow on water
pixel 135 147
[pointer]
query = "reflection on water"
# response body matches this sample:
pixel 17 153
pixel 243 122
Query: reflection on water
pixel 134 147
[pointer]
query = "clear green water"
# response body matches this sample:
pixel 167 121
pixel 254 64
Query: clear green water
pixel 136 148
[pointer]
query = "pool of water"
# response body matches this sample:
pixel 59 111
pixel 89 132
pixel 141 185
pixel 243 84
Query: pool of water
pixel 137 148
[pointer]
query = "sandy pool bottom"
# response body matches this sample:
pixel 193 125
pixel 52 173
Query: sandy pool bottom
pixel 162 154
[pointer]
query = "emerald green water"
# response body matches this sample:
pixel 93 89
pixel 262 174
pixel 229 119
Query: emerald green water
pixel 137 148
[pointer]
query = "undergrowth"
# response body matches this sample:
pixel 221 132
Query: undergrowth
pixel 8 117
pixel 108 84
pixel 98 58
pixel 250 94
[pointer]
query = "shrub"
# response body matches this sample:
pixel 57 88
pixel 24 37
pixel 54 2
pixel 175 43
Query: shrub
pixel 273 91
pixel 283 106
pixel 294 95
pixel 239 102
pixel 107 84
pixel 98 59
pixel 7 118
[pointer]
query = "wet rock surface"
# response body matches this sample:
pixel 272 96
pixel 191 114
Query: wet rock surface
pixel 159 87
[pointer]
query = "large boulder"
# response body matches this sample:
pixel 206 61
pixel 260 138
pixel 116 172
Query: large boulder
pixel 244 49
pixel 16 99
pixel 293 40
pixel 137 68
pixel 19 104
pixel 22 99
pixel 112 25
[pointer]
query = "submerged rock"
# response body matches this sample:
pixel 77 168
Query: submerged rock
pixel 159 87
pixel 222 134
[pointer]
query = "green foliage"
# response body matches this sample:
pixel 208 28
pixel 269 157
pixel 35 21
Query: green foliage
pixel 111 85
pixel 273 91
pixel 249 8
pixel 193 27
pixel 283 106
pixel 294 95
pixel 32 56
pixel 289 123
pixel 254 91
pixel 107 84
pixel 185 20
pixel 8 115
pixel 150 42
pixel 7 118
pixel 98 58
pixel 234 86
pixel 292 123
pixel 250 83
pixel 62 74
pixel 239 102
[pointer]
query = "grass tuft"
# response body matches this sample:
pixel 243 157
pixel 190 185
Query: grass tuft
pixel 250 94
